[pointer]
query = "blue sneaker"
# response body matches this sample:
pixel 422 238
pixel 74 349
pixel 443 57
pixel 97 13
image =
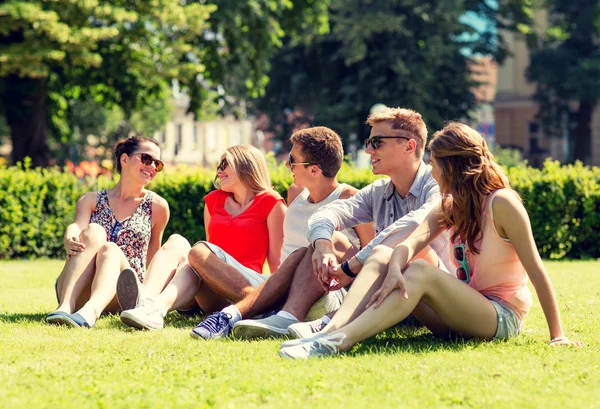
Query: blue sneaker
pixel 217 325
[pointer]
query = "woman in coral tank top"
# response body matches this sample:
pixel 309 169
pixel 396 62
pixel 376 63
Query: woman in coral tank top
pixel 493 251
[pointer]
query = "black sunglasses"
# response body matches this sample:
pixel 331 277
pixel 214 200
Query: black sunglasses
pixel 375 141
pixel 222 165
pixel 291 162
pixel 148 160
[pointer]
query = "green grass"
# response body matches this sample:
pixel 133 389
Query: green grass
pixel 113 366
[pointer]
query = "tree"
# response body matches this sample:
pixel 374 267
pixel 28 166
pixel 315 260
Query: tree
pixel 408 53
pixel 565 64
pixel 125 52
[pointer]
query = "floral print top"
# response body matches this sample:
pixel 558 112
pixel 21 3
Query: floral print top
pixel 132 235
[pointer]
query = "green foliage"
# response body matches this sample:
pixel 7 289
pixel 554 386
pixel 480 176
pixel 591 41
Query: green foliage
pixel 127 53
pixel 409 53
pixel 565 65
pixel 509 157
pixel 563 203
pixel 36 205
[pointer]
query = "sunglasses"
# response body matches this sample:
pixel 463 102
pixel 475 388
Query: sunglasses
pixel 148 160
pixel 462 272
pixel 291 162
pixel 222 165
pixel 375 141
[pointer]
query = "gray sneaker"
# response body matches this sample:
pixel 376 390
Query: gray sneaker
pixel 148 316
pixel 317 347
pixel 130 291
pixel 270 327
pixel 306 329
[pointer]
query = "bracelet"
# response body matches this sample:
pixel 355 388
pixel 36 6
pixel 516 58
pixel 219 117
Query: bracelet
pixel 346 269
pixel 561 338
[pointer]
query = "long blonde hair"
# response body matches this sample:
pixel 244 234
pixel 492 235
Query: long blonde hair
pixel 469 173
pixel 250 166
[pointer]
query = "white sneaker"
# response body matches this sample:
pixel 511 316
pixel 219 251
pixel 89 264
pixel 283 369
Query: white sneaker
pixel 148 316
pixel 315 348
pixel 306 329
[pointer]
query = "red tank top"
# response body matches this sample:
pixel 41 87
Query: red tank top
pixel 245 237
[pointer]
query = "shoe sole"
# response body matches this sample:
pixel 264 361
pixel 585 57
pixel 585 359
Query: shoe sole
pixel 128 289
pixel 258 332
pixel 58 320
pixel 131 321
pixel 64 320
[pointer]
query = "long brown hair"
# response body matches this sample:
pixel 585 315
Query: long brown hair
pixel 468 173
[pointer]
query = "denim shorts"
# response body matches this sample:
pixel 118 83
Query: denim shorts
pixel 509 323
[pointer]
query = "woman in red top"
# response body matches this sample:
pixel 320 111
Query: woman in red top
pixel 244 228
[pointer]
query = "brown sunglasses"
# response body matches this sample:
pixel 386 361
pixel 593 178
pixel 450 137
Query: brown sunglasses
pixel 148 160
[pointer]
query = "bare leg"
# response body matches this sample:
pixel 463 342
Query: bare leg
pixel 180 291
pixel 457 305
pixel 110 261
pixel 219 276
pixel 271 294
pixel 164 264
pixel 367 282
pixel 78 272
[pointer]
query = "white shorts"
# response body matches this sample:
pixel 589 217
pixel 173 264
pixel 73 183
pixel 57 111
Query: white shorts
pixel 255 279
pixel 328 303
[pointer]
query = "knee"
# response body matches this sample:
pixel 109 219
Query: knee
pixel 381 253
pixel 420 271
pixel 94 235
pixel 178 243
pixel 198 255
pixel 109 249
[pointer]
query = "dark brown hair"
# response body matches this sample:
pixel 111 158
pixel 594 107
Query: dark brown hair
pixel 322 146
pixel 468 173
pixel 129 146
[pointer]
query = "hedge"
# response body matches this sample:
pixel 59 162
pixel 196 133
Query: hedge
pixel 36 205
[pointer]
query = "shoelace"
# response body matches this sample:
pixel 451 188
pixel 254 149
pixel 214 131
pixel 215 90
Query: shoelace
pixel 150 307
pixel 316 326
pixel 215 322
pixel 331 343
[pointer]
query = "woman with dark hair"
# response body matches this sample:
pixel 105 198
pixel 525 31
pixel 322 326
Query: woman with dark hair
pixel 493 251
pixel 117 228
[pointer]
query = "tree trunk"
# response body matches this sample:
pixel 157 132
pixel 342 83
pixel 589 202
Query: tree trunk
pixel 582 132
pixel 25 107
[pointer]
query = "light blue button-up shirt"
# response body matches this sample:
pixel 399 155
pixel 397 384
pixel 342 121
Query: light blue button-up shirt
pixel 380 204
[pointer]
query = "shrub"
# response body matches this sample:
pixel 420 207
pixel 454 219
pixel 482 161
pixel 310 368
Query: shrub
pixel 36 205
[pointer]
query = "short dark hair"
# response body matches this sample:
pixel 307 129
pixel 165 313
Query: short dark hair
pixel 129 146
pixel 322 146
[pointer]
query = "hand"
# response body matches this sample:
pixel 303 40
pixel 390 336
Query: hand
pixel 393 280
pixel 324 261
pixel 341 279
pixel 564 341
pixel 73 246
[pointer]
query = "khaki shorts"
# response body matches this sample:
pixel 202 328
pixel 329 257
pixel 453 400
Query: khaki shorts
pixel 255 279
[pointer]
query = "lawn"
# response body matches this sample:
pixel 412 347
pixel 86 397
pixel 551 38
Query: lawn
pixel 112 366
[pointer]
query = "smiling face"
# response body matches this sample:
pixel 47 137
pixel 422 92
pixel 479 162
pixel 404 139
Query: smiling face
pixel 136 169
pixel 387 156
pixel 228 178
